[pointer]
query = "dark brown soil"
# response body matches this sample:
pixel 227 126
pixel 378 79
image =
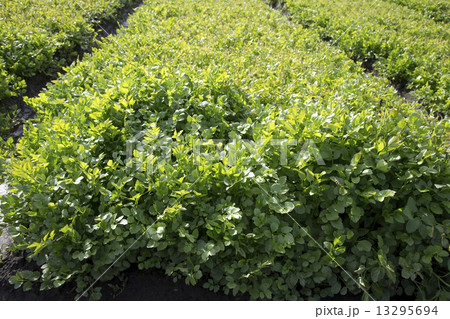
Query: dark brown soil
pixel 131 285
pixel 9 267
pixel 34 86
pixel 153 284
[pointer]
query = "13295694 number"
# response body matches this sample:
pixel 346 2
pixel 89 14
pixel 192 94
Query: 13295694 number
pixel 406 310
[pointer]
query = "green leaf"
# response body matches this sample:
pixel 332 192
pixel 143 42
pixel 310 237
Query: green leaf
pixel 286 229
pixel 66 229
pixel 288 207
pixel 356 213
pixel 376 274
pixel 410 208
pixel 355 160
pixel 58 283
pixel 412 225
pixel 382 165
pixel 436 209
pixel 30 275
pixel 364 245
pixel 289 238
pixel 274 226
pixel 78 180
pixel 381 145
pixel 332 215
pixel 381 195
pixel 27 286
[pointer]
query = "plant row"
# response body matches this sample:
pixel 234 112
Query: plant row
pixel 41 36
pixel 232 149
pixel 438 10
pixel 407 48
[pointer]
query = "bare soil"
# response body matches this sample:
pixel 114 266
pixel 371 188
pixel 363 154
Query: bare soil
pixel 131 285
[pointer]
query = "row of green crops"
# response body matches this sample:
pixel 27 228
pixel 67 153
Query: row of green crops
pixel 166 146
pixel 437 10
pixel 409 49
pixel 41 36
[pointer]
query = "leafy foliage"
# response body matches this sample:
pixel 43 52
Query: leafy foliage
pixel 406 47
pixel 41 36
pixel 234 82
pixel 437 10
pixel 6 152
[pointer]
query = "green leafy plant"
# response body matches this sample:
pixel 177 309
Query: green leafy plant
pixel 41 37
pixel 191 143
pixel 437 10
pixel 407 48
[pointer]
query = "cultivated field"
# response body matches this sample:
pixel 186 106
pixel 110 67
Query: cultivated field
pixel 257 152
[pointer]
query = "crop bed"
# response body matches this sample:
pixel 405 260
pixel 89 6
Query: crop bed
pixel 39 37
pixel 401 44
pixel 437 10
pixel 228 147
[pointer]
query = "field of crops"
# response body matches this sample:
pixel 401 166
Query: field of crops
pixel 408 48
pixel 237 150
pixel 41 36
pixel 437 10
